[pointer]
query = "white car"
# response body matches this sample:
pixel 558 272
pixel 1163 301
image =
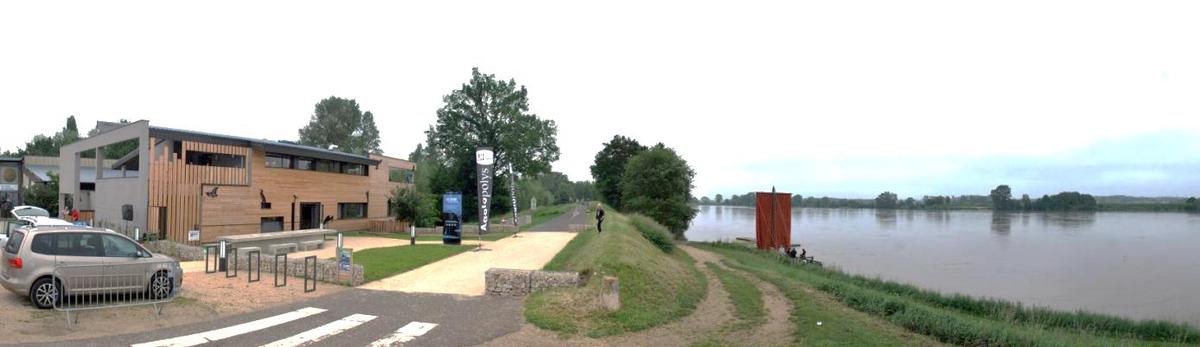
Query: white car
pixel 29 216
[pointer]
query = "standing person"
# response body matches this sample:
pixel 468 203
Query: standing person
pixel 599 218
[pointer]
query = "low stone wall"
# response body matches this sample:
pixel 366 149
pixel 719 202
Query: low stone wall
pixel 327 270
pixel 513 282
pixel 179 251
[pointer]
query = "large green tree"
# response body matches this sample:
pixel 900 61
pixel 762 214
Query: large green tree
pixel 658 183
pixel 1001 198
pixel 488 112
pixel 42 145
pixel 339 123
pixel 609 168
pixel 887 200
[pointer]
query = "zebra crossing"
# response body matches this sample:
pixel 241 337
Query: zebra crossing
pixel 406 333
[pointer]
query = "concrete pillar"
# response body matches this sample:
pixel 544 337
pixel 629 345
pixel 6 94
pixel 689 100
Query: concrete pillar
pixel 610 294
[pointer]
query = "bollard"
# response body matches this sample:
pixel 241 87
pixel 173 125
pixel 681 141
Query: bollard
pixel 610 295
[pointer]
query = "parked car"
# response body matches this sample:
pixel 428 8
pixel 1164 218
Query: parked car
pixel 34 253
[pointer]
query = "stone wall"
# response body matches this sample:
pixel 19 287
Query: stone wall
pixel 512 282
pixel 327 270
pixel 179 251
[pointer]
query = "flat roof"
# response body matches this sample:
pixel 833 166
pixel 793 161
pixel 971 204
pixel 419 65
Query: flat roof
pixel 266 145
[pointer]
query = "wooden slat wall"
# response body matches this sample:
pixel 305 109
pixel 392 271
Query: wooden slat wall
pixel 177 186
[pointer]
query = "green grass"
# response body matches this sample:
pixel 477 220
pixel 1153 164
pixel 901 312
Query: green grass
pixel 747 299
pixel 541 215
pixel 655 287
pixel 653 232
pixel 954 319
pixel 385 262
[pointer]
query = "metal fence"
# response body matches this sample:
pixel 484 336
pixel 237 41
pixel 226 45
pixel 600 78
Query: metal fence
pixel 90 287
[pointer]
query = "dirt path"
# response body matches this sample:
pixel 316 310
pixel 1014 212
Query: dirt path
pixel 464 273
pixel 710 323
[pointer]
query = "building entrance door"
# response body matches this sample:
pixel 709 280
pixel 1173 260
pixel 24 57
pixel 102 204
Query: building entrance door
pixel 310 215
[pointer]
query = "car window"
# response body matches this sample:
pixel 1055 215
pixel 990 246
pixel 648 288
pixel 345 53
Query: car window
pixel 43 244
pixel 14 242
pixel 79 244
pixel 116 246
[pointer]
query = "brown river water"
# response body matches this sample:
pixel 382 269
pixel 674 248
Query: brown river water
pixel 1134 264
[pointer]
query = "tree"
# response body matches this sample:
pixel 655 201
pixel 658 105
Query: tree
pixel 492 113
pixel 405 204
pixel 705 201
pixel 111 151
pixel 1001 198
pixel 609 168
pixel 42 145
pixel 797 200
pixel 1192 204
pixel 44 195
pixel 1026 203
pixel 658 183
pixel 337 123
pixel 887 200
pixel 720 200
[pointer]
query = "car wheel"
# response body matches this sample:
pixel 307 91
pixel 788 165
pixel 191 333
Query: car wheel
pixel 45 293
pixel 161 286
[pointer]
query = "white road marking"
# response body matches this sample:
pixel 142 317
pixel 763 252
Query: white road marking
pixel 322 332
pixel 406 333
pixel 224 333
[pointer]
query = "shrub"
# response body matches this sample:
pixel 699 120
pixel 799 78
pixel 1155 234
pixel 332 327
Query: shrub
pixel 654 232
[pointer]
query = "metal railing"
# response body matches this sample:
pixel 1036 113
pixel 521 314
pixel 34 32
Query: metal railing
pixel 91 287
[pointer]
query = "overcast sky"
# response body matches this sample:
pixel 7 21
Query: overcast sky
pixel 843 98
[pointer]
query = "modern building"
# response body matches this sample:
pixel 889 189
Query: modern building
pixel 194 187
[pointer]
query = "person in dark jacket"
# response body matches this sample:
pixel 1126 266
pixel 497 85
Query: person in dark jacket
pixel 599 218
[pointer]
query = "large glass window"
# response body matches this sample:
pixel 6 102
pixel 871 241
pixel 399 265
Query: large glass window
pixel 119 247
pixel 279 161
pixel 327 166
pixel 352 210
pixel 400 175
pixel 354 169
pixel 215 159
pixel 14 242
pixel 271 224
pixel 304 164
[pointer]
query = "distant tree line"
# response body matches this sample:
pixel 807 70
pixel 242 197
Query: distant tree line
pixel 999 199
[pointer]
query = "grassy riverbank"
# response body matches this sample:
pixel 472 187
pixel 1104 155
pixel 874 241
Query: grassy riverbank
pixel 656 287
pixel 954 319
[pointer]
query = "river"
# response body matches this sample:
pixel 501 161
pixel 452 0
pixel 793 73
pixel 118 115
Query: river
pixel 1133 264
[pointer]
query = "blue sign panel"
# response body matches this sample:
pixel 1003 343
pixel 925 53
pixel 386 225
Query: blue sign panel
pixel 452 204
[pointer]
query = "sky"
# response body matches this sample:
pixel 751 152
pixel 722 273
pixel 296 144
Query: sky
pixel 838 98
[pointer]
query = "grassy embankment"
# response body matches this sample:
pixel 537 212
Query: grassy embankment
pixel 954 319
pixel 656 287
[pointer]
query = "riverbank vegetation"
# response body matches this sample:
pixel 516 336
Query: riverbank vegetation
pixel 999 199
pixel 954 319
pixel 656 287
pixel 652 181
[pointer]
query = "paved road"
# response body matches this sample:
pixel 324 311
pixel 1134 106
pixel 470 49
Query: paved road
pixel 564 221
pixel 356 317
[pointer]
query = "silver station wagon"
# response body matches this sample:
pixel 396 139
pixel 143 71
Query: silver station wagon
pixel 57 265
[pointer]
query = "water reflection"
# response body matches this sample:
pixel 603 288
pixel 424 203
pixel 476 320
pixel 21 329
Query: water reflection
pixel 886 218
pixel 1002 222
pixel 1068 220
pixel 940 217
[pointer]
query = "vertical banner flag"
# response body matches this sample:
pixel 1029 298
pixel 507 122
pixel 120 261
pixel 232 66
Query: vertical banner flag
pixel 484 159
pixel 512 191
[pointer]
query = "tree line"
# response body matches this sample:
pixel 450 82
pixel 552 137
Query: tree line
pixel 654 181
pixel 999 199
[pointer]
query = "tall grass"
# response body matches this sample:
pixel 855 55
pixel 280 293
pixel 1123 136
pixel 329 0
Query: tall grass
pixel 958 319
pixel 653 232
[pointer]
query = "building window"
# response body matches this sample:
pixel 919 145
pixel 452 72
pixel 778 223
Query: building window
pixel 391 207
pixel 304 164
pixel 328 166
pixel 354 210
pixel 279 161
pixel 271 224
pixel 215 159
pixel 354 169
pixel 400 175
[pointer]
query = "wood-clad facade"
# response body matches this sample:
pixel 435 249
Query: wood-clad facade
pixel 223 185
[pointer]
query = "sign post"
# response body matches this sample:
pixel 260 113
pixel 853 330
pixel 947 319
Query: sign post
pixel 485 160
pixel 451 218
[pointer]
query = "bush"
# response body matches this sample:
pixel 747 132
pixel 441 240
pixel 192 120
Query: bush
pixel 658 183
pixel 654 232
